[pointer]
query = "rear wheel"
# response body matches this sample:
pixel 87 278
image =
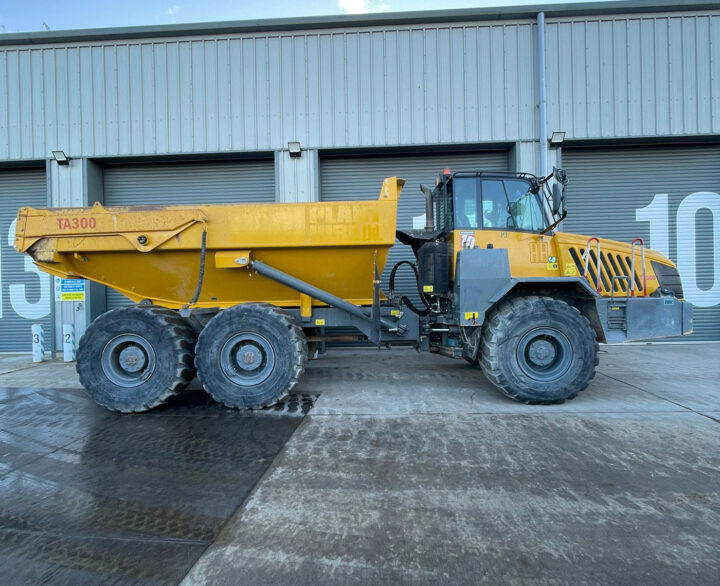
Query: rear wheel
pixel 251 355
pixel 134 358
pixel 539 350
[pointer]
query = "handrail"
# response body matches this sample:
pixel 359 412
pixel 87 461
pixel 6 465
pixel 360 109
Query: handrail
pixel 619 278
pixel 632 266
pixel 586 259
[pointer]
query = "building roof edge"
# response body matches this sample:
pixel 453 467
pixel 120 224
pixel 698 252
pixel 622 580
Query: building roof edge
pixel 353 21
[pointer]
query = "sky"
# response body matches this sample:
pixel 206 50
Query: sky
pixel 38 15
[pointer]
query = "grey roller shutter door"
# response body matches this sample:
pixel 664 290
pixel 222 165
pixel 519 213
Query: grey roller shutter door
pixel 360 177
pixel 25 295
pixel 609 185
pixel 186 183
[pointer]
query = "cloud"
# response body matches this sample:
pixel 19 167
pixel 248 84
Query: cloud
pixel 362 6
pixel 173 10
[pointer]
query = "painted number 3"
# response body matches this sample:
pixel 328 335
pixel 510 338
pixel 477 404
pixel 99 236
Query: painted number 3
pixel 18 292
pixel 657 214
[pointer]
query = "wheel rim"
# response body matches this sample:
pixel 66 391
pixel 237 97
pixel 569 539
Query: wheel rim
pixel 247 359
pixel 128 360
pixel 544 354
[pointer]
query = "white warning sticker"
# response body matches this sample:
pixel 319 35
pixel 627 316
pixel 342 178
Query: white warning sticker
pixel 467 239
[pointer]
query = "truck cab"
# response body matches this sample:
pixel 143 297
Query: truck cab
pixel 503 287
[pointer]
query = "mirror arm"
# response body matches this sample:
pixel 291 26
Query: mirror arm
pixel 555 223
pixel 546 179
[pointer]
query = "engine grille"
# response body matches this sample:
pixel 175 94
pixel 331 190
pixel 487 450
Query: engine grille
pixel 611 265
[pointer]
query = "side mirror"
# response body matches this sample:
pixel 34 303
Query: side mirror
pixel 558 199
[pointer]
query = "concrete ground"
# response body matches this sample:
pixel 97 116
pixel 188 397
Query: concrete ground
pixel 408 469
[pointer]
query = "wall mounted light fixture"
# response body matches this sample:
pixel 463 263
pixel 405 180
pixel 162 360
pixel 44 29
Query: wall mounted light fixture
pixel 557 138
pixel 294 149
pixel 61 158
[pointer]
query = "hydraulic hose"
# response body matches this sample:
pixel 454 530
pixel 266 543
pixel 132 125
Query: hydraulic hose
pixel 201 273
pixel 404 299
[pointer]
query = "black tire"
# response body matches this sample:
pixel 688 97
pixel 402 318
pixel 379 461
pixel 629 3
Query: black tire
pixel 539 350
pixel 274 354
pixel 134 358
pixel 312 347
pixel 470 351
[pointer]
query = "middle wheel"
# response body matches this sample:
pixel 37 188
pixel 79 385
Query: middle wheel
pixel 250 356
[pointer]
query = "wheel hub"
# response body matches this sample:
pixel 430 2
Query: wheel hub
pixel 544 354
pixel 132 358
pixel 247 358
pixel 541 352
pixel 128 360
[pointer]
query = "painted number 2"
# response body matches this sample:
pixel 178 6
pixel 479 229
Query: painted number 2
pixel 657 214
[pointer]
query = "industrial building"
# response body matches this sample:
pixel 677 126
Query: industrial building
pixel 308 109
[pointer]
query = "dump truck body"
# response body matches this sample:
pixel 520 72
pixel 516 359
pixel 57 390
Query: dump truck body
pixel 334 245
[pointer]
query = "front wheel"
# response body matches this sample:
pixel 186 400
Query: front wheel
pixel 539 350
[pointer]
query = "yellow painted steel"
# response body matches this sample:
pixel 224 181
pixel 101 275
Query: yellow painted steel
pixel 305 306
pixel 546 256
pixel 153 252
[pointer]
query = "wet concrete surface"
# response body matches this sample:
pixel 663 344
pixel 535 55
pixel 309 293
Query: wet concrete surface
pixel 411 469
pixel 89 496
pixel 585 499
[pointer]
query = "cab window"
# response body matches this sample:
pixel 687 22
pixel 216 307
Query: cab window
pixel 465 197
pixel 494 205
pixel 524 208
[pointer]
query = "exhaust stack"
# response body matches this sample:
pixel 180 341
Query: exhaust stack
pixel 429 211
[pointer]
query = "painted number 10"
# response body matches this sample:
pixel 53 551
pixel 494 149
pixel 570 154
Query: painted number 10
pixel 657 214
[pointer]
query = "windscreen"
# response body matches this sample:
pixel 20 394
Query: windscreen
pixel 483 203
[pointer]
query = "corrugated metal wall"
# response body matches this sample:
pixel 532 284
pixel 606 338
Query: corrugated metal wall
pixel 633 76
pixel 343 178
pixel 25 292
pixel 296 177
pixel 653 193
pixel 430 84
pixel 186 183
pixel 607 76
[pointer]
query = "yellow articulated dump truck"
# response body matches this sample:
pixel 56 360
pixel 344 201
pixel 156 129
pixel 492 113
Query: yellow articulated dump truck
pixel 242 295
